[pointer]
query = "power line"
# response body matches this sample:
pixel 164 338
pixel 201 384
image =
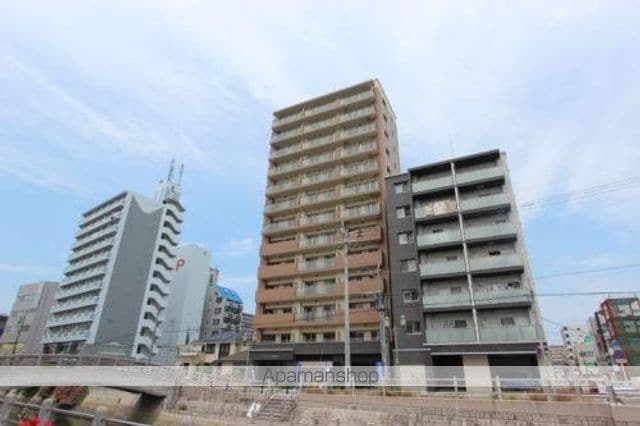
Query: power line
pixel 588 271
pixel 587 192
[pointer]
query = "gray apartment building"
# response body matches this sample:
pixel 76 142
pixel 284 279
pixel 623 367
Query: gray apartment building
pixel 116 285
pixel 462 291
pixel 3 323
pixel 28 318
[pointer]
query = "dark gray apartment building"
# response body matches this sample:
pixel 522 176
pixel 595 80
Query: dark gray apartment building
pixel 27 320
pixel 462 291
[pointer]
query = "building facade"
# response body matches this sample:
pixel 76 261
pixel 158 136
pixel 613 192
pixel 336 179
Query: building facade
pixel 617 329
pixel 212 350
pixel 580 345
pixel 329 157
pixel 246 325
pixel 223 312
pixel 186 300
pixel 27 320
pixel 462 291
pixel 117 281
pixel 557 356
pixel 3 323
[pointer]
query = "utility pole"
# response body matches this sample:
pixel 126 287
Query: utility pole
pixel 347 324
pixel 17 339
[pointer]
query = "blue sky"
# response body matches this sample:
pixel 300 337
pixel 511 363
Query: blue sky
pixel 97 98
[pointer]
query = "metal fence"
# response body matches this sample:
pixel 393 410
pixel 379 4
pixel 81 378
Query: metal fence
pixel 12 412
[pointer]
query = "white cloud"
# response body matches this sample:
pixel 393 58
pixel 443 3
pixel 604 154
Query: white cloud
pixel 239 247
pixel 22 268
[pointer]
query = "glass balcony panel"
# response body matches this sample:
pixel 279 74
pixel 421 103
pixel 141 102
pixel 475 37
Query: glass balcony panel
pixel 439 238
pixel 503 261
pixel 488 173
pixel 449 335
pixel 508 334
pixel 441 268
pixel 445 300
pixel 432 183
pixel 473 232
pixel 476 203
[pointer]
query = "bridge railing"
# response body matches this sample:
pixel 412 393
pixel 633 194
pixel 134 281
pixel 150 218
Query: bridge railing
pixel 68 359
pixel 13 411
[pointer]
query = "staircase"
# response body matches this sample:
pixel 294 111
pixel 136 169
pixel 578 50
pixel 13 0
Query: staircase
pixel 273 405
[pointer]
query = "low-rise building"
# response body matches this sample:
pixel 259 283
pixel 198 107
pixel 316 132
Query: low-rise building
pixel 617 329
pixel 222 312
pixel 580 346
pixel 557 356
pixel 211 350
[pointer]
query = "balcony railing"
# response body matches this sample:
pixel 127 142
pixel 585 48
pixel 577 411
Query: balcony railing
pixel 508 334
pixel 442 268
pixel 68 291
pixel 317 241
pixel 437 238
pixel 313 265
pixel 518 296
pixel 437 301
pixel 283 205
pixel 317 290
pixel 431 184
pixel 314 220
pixel 489 201
pixel 75 304
pixel 449 335
pixel 359 148
pixel 318 198
pixel 68 336
pixel 470 176
pixel 70 319
pixel 361 189
pixel 361 211
pixel 278 226
pixel 318 316
pixel 360 168
pixel 500 262
pixel 483 232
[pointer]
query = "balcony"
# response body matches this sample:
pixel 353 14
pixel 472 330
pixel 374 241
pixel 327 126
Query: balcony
pixel 279 247
pixel 282 186
pixel 107 221
pixel 287 150
pixel 318 219
pixel 479 175
pixel 361 212
pixel 450 335
pixel 92 248
pixel 370 166
pixel 318 264
pixel 368 188
pixel 279 270
pixel 317 290
pixel 306 113
pixel 82 302
pixel 70 319
pixel 432 184
pixel 68 336
pixel 270 228
pixel 508 334
pixel 316 317
pixel 322 197
pixel 273 320
pixel 437 209
pixel 93 260
pixel 503 262
pixel 433 239
pixel 280 294
pixel 489 232
pixel 488 202
pixel 441 269
pixel 364 286
pixel 70 291
pixel 83 276
pixel 360 260
pixel 521 297
pixel 444 302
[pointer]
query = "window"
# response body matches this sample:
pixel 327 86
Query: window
pixel 308 337
pixel 452 258
pixel 507 322
pixel 408 265
pixel 455 290
pixel 218 299
pixel 224 350
pixel 329 337
pixel 402 212
pixel 401 187
pixel 216 322
pixel 412 327
pixel 409 296
pixel 437 230
pixel 284 338
pixel 217 310
pixel 514 284
pixel 494 252
pixel 385 117
pixel 405 237
pixel 460 324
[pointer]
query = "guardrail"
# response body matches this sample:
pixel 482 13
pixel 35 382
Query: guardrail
pixel 12 412
pixel 68 359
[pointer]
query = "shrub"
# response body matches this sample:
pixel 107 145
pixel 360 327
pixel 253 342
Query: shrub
pixel 46 391
pixel 69 396
pixel 29 392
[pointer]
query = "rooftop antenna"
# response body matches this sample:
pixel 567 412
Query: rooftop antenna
pixel 171 169
pixel 180 174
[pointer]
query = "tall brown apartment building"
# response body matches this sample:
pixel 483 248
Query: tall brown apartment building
pixel 329 157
